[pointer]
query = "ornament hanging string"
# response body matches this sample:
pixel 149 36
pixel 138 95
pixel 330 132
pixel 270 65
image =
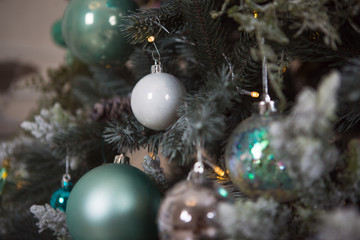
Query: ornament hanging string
pixel 266 106
pixel 265 76
pixel 197 174
pixel 157 66
pixel 66 176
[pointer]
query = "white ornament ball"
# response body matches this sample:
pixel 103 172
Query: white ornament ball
pixel 155 98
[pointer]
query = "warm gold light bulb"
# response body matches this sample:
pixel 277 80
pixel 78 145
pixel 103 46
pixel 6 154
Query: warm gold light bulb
pixel 151 39
pixel 255 94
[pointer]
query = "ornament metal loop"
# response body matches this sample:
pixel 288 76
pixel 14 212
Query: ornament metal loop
pixel 122 159
pixel 267 106
pixel 66 178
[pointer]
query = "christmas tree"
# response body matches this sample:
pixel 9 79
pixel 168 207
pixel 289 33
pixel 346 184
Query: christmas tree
pixel 252 106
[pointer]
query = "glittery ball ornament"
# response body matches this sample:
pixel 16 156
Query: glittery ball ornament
pixel 189 211
pixel 91 31
pixel 60 197
pixel 113 201
pixel 252 164
pixel 155 99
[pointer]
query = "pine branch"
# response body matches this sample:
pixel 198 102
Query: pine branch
pixel 79 140
pixel 58 87
pixel 151 22
pixel 205 33
pixel 103 83
pixel 204 115
pixel 130 135
pixel 349 96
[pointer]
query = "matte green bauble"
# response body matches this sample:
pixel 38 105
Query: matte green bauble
pixel 113 202
pixel 253 165
pixel 91 31
pixel 56 33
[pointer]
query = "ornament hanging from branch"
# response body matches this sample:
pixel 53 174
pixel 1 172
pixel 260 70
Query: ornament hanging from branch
pixel 60 197
pixel 189 209
pixel 113 201
pixel 252 164
pixel 90 30
pixel 156 97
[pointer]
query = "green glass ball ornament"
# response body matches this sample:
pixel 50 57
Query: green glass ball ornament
pixel 253 166
pixel 91 31
pixel 56 33
pixel 113 201
pixel 60 197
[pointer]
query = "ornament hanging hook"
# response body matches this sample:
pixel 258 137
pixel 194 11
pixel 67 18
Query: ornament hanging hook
pixel 158 53
pixel 156 68
pixel 199 167
pixel 266 106
pixel 265 80
pixel 66 176
pixel 122 159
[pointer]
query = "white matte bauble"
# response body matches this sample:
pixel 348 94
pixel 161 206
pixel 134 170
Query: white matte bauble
pixel 155 99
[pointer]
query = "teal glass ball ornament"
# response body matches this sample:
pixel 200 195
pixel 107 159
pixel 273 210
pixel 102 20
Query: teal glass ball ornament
pixel 60 197
pixel 56 33
pixel 91 31
pixel 253 166
pixel 113 201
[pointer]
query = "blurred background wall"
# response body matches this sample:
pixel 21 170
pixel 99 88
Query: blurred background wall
pixel 26 48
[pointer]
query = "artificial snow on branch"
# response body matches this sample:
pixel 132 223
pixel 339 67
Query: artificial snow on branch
pixel 153 169
pixel 53 219
pixel 304 135
pixel 48 122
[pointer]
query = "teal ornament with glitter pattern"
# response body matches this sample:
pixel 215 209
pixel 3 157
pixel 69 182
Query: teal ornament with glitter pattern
pixel 253 166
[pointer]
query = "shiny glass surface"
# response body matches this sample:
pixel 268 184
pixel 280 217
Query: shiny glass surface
pixel 56 33
pixel 253 165
pixel 91 31
pixel 189 211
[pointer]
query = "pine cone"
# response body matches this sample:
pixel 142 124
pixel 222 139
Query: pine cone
pixel 111 108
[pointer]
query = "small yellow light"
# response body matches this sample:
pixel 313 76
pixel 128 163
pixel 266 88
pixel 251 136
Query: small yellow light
pixel 219 171
pixel 255 94
pixel 255 14
pixel 151 39
pixel 152 155
pixel 4 175
pixel 284 69
pixel 108 66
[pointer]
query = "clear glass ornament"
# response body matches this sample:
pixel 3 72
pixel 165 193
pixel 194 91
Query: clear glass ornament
pixel 253 166
pixel 189 211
